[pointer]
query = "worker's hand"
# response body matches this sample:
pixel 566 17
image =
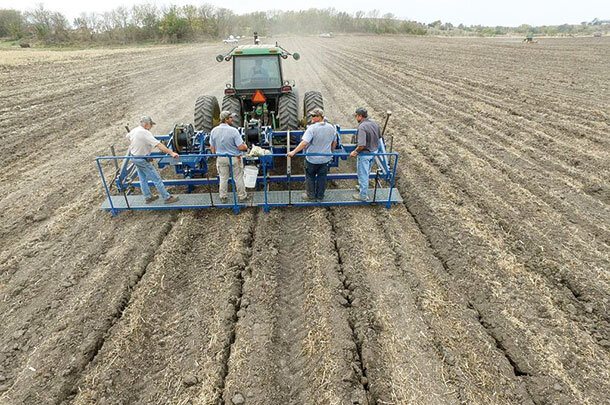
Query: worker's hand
pixel 290 154
pixel 174 155
pixel 354 153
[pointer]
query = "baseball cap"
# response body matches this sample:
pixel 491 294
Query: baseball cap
pixel 316 112
pixel 361 111
pixel 147 120
pixel 226 114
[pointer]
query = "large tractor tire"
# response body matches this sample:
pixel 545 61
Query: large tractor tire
pixel 233 104
pixel 288 111
pixel 311 100
pixel 207 113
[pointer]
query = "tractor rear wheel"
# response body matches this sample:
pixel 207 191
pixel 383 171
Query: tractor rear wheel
pixel 311 100
pixel 288 111
pixel 233 104
pixel 207 113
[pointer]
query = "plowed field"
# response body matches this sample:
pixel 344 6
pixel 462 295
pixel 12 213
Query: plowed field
pixel 489 285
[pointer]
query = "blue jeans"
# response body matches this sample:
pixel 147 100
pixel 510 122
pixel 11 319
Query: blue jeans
pixel 146 173
pixel 315 176
pixel 364 165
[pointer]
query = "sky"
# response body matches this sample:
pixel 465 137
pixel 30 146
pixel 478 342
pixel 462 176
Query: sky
pixel 468 12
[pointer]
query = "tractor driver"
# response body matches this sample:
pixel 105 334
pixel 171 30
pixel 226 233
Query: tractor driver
pixel 142 143
pixel 258 71
pixel 225 139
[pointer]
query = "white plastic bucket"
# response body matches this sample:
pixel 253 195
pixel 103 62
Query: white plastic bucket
pixel 250 175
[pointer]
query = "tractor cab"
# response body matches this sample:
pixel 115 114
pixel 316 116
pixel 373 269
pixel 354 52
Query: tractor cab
pixel 257 72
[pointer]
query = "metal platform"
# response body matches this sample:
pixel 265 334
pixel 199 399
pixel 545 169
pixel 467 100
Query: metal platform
pixel 257 199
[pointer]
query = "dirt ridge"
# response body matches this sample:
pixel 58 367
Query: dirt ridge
pixel 348 295
pixel 236 301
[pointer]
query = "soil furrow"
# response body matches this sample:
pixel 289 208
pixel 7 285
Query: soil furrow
pixel 591 283
pixel 62 254
pixel 503 293
pixel 454 324
pixel 293 343
pixel 485 122
pixel 237 302
pixel 171 344
pixel 99 301
pixel 501 100
pixel 502 89
pixel 400 368
pixel 352 312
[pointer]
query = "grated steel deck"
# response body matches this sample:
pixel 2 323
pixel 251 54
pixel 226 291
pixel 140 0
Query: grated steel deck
pixel 257 199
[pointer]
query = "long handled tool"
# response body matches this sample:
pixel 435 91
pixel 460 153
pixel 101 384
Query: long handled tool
pixel 385 125
pixel 388 114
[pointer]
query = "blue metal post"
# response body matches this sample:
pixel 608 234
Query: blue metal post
pixel 265 185
pixel 392 182
pixel 235 206
pixel 114 211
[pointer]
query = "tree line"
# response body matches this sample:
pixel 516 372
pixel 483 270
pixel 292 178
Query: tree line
pixel 149 23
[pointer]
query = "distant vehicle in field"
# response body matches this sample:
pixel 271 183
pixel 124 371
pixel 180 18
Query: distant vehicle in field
pixel 597 35
pixel 230 40
pixel 327 35
pixel 530 39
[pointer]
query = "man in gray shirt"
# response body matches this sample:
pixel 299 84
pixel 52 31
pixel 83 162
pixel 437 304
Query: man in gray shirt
pixel 320 137
pixel 225 139
pixel 368 142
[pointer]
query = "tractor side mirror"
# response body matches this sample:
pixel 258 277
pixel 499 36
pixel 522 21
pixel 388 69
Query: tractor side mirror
pixel 296 56
pixel 219 58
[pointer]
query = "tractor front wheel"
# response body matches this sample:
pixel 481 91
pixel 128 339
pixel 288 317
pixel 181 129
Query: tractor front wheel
pixel 207 113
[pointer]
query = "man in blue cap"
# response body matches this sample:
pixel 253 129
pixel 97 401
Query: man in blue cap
pixel 368 142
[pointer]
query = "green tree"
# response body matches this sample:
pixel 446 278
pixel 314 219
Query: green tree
pixel 49 26
pixel 173 27
pixel 40 20
pixel 11 24
pixel 145 17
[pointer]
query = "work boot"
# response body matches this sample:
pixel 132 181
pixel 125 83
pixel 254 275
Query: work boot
pixel 172 199
pixel 151 198
pixel 305 197
pixel 244 199
pixel 357 197
pixel 224 199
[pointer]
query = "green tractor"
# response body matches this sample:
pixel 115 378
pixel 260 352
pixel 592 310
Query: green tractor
pixel 259 93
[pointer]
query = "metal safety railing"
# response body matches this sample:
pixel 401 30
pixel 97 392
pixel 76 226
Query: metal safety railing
pixel 387 164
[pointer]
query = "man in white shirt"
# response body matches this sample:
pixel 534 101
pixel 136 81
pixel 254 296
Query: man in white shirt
pixel 225 139
pixel 142 143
